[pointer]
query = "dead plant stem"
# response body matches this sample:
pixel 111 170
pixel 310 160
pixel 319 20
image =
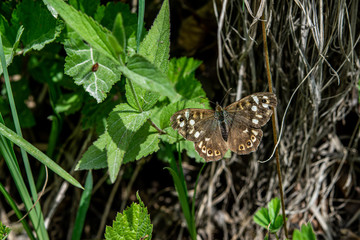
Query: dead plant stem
pixel 273 122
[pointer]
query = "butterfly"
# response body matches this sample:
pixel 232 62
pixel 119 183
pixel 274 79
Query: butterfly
pixel 235 127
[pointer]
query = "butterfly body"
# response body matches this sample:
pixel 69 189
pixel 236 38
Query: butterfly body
pixel 236 127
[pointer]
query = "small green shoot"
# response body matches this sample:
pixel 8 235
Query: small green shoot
pixel 269 218
pixel 306 233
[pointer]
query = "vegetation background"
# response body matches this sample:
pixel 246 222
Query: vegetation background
pixel 315 69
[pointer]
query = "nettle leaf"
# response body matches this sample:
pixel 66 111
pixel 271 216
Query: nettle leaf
pixel 133 224
pixel 123 123
pixel 95 157
pixel 10 40
pixel 87 28
pixel 156 45
pixel 95 115
pixel 80 64
pixel 144 142
pixel 145 74
pixel 182 73
pixel 145 98
pixel 40 27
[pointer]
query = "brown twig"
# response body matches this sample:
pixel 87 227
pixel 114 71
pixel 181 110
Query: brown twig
pixel 268 74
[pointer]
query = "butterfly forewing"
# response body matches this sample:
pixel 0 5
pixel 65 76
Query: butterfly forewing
pixel 254 110
pixel 192 123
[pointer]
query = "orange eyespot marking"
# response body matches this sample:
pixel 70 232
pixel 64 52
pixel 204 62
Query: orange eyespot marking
pixel 253 138
pixel 210 152
pixel 217 152
pixel 241 147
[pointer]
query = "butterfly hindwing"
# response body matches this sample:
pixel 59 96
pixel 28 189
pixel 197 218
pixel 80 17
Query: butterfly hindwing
pixel 212 147
pixel 244 139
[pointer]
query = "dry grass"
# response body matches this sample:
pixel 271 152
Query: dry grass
pixel 313 45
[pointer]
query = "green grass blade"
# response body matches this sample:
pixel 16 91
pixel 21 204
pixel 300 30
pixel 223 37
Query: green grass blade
pixel 140 24
pixel 37 219
pixel 36 153
pixel 17 211
pixel 83 208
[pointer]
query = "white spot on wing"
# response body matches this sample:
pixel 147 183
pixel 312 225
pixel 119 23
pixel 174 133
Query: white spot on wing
pixel 265 105
pixel 256 99
pixel 192 122
pixel 254 108
pixel 200 144
pixel 265 97
pixel 197 134
pixel 178 117
pixel 246 131
pixel 207 139
pixel 187 114
pixel 258 116
pixel 254 132
pixel 255 121
pixel 182 124
pixel 191 131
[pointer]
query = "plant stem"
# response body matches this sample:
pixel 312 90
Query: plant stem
pixel 274 124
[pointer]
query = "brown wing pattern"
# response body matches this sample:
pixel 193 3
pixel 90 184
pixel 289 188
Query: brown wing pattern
pixel 254 110
pixel 191 123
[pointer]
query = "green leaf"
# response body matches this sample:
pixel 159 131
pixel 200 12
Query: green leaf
pixel 40 27
pixel 306 233
pixel 94 115
pixel 182 74
pixel 274 207
pixel 86 6
pixel 262 218
pixel 111 11
pixel 36 153
pixel 269 218
pixel 83 208
pixel 144 142
pixel 133 224
pixel 145 98
pixel 88 29
pixel 4 231
pixel 123 123
pixel 79 64
pixel 96 156
pixel 156 45
pixel 145 74
pixel 69 103
pixel 10 41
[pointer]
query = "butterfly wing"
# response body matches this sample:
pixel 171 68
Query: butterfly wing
pixel 247 116
pixel 193 123
pixel 244 139
pixel 200 127
pixel 254 110
pixel 212 147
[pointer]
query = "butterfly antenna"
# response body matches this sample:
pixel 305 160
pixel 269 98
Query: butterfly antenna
pixel 226 94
